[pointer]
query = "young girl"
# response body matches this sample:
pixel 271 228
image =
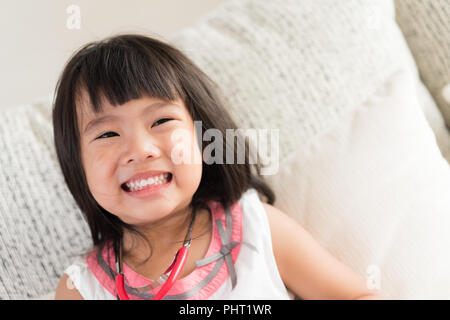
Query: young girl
pixel 124 111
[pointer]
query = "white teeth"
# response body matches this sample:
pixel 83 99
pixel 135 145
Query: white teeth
pixel 138 185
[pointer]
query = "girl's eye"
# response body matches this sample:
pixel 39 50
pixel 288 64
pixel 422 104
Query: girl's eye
pixel 106 133
pixel 160 120
pixel 166 119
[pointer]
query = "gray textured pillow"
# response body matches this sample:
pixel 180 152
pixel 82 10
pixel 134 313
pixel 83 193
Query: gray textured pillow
pixel 41 227
pixel 426 26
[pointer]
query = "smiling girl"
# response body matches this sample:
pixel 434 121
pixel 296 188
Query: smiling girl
pixel 119 105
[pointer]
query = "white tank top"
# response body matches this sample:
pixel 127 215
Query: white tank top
pixel 239 263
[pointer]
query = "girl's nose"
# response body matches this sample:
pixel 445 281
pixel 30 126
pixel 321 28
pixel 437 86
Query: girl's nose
pixel 140 146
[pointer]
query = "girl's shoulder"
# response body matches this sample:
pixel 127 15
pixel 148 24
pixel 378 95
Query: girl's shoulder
pixel 250 194
pixel 252 206
pixel 81 278
pixel 78 266
pixel 248 208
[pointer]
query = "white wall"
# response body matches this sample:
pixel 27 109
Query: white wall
pixel 36 42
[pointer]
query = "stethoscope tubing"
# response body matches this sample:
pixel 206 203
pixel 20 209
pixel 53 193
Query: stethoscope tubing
pixel 180 260
pixel 175 268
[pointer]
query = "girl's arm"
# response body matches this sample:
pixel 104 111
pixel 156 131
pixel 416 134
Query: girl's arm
pixel 66 290
pixel 306 268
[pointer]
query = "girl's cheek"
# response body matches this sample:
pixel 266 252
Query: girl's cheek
pixel 101 159
pixel 98 167
pixel 184 146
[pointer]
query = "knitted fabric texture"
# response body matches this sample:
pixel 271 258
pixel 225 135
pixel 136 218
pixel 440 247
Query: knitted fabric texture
pixel 41 228
pixel 296 66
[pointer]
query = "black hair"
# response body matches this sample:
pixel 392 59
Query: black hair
pixel 125 67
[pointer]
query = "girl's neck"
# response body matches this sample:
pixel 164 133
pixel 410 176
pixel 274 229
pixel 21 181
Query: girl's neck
pixel 166 235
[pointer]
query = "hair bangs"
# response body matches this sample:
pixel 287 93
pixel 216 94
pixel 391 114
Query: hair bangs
pixel 119 72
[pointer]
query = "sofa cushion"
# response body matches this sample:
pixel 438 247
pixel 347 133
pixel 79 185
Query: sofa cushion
pixel 41 228
pixel 375 193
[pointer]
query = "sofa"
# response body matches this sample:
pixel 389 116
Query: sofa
pixel 359 91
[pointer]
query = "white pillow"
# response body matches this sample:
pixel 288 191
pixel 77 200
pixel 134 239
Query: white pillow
pixel 374 190
pixel 435 119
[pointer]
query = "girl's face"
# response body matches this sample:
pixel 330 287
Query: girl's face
pixel 144 135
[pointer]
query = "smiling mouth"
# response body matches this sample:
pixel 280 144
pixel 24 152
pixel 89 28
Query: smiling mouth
pixel 146 184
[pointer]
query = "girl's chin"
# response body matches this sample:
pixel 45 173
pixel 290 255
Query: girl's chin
pixel 145 212
pixel 142 219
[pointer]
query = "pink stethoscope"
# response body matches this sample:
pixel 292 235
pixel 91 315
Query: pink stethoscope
pixel 167 279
